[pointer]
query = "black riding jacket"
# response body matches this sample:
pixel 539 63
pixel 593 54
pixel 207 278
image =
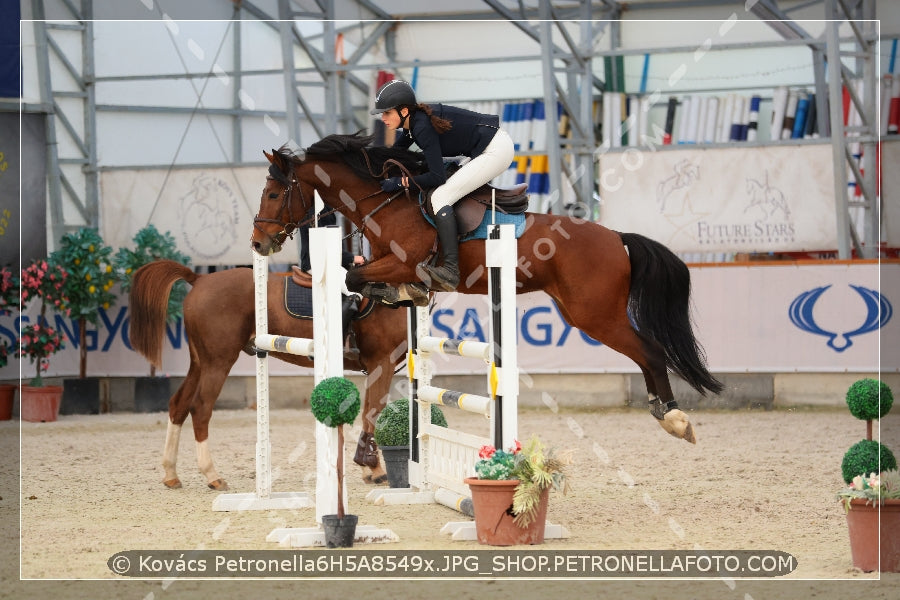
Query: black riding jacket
pixel 469 136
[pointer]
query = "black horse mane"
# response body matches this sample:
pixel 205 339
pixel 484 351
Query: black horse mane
pixel 356 152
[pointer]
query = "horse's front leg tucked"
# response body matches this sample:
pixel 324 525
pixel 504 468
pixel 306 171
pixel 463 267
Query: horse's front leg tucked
pixel 388 280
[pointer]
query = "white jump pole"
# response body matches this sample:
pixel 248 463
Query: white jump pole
pixel 327 276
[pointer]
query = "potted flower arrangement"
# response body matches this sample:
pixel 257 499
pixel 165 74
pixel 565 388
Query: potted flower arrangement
pixel 9 291
pixel 392 437
pixel 151 394
pixel 335 402
pixel 9 299
pixel 873 488
pixel 511 492
pixel 88 261
pixel 39 340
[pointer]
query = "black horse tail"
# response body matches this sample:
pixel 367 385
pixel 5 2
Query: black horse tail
pixel 659 307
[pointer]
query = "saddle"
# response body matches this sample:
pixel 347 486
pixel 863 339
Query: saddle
pixel 303 279
pixel 470 208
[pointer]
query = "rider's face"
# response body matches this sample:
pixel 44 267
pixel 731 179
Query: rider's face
pixel 391 119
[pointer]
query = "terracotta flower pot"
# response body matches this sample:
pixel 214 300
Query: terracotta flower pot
pixel 862 522
pixel 492 500
pixel 40 404
pixel 7 397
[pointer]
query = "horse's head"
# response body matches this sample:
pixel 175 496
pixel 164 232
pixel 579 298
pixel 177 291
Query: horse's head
pixel 283 206
pixel 343 168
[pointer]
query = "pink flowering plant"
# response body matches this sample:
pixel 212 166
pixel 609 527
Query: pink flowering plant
pixel 43 281
pixel 9 292
pixel 9 301
pixel 536 467
pixel 497 464
pixel 38 342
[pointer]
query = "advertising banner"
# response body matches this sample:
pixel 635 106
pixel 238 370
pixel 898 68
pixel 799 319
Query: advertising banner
pixel 833 317
pixel 759 199
pixel 208 211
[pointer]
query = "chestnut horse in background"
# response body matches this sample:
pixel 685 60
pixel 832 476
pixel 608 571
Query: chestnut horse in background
pixel 219 323
pixel 622 289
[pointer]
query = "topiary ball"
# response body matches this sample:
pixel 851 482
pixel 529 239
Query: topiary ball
pixel 335 401
pixel 392 424
pixel 863 399
pixel 862 459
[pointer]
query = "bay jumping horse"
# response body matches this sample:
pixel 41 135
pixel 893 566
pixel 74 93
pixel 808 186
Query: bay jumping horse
pixel 622 289
pixel 219 323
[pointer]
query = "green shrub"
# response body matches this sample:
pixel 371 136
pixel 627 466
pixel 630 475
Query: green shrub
pixel 863 458
pixel 869 399
pixel 392 425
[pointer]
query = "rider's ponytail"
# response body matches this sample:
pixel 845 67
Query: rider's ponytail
pixel 440 125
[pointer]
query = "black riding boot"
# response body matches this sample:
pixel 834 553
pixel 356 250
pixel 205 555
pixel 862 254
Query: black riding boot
pixel 349 307
pixel 446 276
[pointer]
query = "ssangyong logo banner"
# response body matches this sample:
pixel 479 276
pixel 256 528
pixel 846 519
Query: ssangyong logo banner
pixel 775 318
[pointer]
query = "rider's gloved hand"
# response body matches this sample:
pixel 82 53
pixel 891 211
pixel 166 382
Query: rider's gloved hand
pixel 391 184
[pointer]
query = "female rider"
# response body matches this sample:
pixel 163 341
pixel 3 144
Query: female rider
pixel 440 130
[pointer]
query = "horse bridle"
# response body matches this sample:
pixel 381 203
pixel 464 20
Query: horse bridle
pixel 290 226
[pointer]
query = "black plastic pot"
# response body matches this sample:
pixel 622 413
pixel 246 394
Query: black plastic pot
pixel 396 463
pixel 151 394
pixel 339 533
pixel 80 396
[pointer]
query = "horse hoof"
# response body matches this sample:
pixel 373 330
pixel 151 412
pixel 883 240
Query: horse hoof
pixel 376 476
pixel 219 485
pixel 172 484
pixel 379 476
pixel 676 423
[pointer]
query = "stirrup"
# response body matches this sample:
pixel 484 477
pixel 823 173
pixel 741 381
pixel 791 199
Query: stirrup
pixel 442 278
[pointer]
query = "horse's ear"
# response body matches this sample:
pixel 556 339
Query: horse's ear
pixel 270 157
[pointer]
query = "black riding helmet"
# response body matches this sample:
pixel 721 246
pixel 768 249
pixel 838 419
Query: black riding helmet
pixel 393 94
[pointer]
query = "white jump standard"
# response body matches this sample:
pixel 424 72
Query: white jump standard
pixel 327 350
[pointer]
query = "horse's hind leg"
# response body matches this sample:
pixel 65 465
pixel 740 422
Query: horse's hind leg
pixel 661 400
pixel 170 456
pixel 179 407
pixel 650 357
pixel 208 391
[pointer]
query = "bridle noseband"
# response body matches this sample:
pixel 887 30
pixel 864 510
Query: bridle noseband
pixel 290 226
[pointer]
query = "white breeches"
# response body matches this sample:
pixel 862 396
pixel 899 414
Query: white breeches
pixel 495 159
